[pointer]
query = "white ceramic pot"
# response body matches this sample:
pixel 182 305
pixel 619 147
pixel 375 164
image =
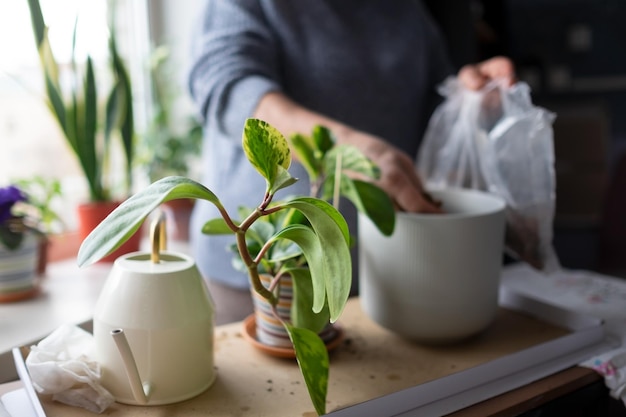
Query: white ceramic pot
pixel 153 329
pixel 436 278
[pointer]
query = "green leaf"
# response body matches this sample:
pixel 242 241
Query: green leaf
pixel 37 22
pixel 334 238
pixel 352 160
pixel 303 147
pixel 368 199
pixel 323 139
pixel 268 151
pixel 313 361
pixel 302 314
pixel 283 251
pixel 283 180
pixel 112 115
pixel 126 123
pixel 377 206
pixel 312 249
pixel 128 217
pixel 55 101
pixel 261 231
pixel 216 226
pixel 86 136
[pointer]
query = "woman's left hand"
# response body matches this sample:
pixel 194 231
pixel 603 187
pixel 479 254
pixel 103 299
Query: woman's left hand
pixel 475 76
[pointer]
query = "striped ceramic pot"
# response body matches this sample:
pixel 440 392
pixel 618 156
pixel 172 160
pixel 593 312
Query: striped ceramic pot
pixel 18 270
pixel 269 330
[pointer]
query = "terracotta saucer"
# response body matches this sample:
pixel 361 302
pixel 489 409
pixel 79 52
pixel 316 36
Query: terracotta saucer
pixel 249 326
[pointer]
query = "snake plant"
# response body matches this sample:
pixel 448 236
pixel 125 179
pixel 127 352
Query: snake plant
pixel 76 108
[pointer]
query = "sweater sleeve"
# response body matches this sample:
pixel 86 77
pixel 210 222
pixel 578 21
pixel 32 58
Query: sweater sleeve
pixel 233 63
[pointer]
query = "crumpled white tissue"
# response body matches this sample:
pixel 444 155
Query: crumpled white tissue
pixel 611 365
pixel 63 365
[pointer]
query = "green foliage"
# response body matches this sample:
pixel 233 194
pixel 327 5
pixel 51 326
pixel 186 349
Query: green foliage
pixel 325 162
pixel 25 206
pixel 168 146
pixel 120 225
pixel 269 156
pixel 76 110
pixel 314 363
pixel 41 193
pixel 323 241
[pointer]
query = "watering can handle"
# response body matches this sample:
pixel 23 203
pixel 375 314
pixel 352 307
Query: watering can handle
pixel 158 237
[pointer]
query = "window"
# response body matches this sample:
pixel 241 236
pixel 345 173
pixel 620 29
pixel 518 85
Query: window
pixel 32 142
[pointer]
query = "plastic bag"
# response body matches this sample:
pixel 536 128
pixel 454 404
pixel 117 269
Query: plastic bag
pixel 496 140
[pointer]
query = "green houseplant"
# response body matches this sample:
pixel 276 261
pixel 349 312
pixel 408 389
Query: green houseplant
pixel 331 169
pixel 14 224
pixel 314 225
pixel 76 108
pixel 169 146
pixel 88 125
pixel 26 219
pixel 41 194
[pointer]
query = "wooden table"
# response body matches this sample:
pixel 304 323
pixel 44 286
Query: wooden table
pixel 370 362
pixel 536 394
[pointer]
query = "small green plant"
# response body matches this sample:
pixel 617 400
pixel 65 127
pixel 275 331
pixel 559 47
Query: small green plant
pixel 41 193
pixel 168 146
pixel 332 171
pixel 307 238
pixel 25 206
pixel 77 112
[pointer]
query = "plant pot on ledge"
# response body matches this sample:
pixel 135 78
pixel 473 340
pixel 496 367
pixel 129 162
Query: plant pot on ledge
pixel 18 270
pixel 91 214
pixel 177 214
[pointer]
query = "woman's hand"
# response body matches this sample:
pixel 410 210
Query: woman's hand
pixel 398 175
pixel 475 76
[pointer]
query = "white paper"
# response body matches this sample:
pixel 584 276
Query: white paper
pixel 28 389
pixel 16 404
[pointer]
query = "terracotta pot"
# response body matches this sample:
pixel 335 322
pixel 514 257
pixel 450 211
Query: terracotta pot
pixel 42 252
pixel 91 214
pixel 177 214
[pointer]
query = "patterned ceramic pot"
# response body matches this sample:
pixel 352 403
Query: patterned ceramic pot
pixel 18 270
pixel 269 330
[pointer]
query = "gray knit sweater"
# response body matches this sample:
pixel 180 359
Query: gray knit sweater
pixel 372 64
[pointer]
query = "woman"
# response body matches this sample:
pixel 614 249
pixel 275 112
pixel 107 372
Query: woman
pixel 366 69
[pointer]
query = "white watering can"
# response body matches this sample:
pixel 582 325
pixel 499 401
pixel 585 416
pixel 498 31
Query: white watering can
pixel 153 327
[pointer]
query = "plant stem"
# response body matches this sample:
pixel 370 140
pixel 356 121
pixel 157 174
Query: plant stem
pixel 250 263
pixel 337 187
pixel 253 272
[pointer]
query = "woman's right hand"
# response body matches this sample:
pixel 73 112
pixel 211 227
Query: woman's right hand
pixel 398 175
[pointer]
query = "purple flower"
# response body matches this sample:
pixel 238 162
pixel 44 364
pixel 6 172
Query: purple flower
pixel 8 197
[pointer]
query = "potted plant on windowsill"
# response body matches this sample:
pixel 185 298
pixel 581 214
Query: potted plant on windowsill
pixel 168 146
pixel 318 229
pixel 88 129
pixel 41 194
pixel 23 233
